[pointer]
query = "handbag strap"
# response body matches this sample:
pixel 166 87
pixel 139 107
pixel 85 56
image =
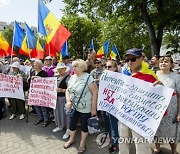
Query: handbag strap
pixel 82 92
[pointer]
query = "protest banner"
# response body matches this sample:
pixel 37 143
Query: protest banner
pixel 11 86
pixel 134 102
pixel 43 92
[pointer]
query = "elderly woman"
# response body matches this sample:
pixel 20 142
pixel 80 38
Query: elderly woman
pixel 17 104
pixel 168 127
pixel 61 119
pixel 87 105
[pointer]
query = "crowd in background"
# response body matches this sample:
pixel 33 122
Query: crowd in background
pixel 74 82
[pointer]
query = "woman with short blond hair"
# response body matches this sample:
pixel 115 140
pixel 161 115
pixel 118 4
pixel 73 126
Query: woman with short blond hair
pixel 87 105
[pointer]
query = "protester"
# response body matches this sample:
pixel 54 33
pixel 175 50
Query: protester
pixel 66 61
pixel 168 127
pixel 138 69
pixel 86 106
pixel 48 68
pixel 42 112
pixel 61 119
pixel 155 63
pixel 111 122
pixel 17 104
pixel 96 73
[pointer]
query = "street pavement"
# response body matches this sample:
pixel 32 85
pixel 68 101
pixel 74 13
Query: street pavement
pixel 21 137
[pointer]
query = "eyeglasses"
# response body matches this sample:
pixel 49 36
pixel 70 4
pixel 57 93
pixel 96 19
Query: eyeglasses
pixel 96 62
pixel 109 67
pixel 131 59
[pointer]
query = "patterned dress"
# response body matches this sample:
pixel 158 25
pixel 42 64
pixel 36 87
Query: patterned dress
pixel 168 128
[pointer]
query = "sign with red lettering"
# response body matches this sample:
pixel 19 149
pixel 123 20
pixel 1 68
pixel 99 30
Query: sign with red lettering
pixel 11 86
pixel 134 102
pixel 43 92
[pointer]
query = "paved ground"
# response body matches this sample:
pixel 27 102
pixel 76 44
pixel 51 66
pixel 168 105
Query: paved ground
pixel 19 137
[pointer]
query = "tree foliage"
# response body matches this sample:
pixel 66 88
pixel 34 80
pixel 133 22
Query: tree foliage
pixel 149 16
pixel 83 30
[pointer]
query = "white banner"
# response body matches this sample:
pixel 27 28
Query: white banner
pixel 11 86
pixel 134 102
pixel 43 92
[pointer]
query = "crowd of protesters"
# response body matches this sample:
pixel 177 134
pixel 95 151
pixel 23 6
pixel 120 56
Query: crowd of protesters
pixel 75 74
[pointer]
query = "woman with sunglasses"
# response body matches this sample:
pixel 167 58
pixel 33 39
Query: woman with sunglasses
pixel 168 128
pixel 111 122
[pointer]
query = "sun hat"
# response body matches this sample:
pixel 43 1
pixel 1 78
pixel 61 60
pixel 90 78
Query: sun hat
pixel 15 64
pixel 59 66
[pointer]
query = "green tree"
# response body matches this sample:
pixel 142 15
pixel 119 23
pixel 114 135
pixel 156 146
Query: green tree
pixel 156 15
pixel 83 30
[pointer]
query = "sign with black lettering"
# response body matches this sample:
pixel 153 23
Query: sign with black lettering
pixel 136 103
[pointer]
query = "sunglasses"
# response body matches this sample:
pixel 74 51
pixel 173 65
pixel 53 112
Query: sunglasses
pixel 109 67
pixel 96 62
pixel 131 59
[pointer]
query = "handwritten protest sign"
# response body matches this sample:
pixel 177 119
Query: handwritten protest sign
pixel 11 86
pixel 43 92
pixel 136 103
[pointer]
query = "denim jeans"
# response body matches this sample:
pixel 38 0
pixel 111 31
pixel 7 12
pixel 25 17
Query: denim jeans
pixel 114 130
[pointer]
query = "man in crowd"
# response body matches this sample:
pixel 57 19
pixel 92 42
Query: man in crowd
pixel 139 69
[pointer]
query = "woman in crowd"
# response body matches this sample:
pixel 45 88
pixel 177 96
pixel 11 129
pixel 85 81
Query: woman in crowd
pixel 86 106
pixel 61 119
pixel 111 122
pixel 17 104
pixel 168 127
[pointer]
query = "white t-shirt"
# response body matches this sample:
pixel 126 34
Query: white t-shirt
pixel 75 88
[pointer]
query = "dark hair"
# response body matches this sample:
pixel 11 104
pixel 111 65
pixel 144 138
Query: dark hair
pixel 156 56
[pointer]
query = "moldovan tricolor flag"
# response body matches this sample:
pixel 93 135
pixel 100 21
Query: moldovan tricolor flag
pixel 56 34
pixel 33 43
pixel 20 40
pixel 103 50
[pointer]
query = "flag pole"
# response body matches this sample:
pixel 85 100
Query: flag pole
pixel 12 41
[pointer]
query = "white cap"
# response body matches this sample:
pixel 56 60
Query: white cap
pixel 33 59
pixel 15 64
pixel 48 58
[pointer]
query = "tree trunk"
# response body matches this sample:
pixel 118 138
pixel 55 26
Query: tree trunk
pixel 155 43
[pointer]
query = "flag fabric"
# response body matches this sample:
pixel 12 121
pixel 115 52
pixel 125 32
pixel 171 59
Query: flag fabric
pixel 56 34
pixel 50 50
pixel 91 45
pixel 64 51
pixel 31 40
pixel 103 50
pixel 20 40
pixel 114 52
pixel 33 43
pixel 5 48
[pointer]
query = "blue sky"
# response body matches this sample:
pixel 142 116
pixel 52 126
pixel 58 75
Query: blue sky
pixel 26 10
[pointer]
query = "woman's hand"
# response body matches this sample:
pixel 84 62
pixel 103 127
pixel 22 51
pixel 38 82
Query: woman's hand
pixel 178 118
pixel 68 105
pixel 93 113
pixel 158 83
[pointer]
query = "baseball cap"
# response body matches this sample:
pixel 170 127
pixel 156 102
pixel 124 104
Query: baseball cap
pixel 48 58
pixel 134 51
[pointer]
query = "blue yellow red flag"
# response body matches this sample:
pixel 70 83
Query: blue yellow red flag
pixel 56 34
pixel 103 50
